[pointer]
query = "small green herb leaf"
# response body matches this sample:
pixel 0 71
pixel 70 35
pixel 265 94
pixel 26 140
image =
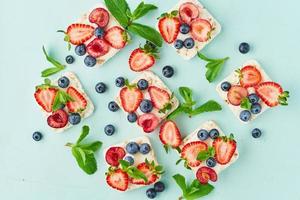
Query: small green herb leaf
pixel 61 98
pixel 119 9
pixel 94 146
pixel 180 180
pixel 245 103
pixel 209 106
pixel 52 70
pixel 84 132
pixel 204 155
pixel 132 171
pixel 142 9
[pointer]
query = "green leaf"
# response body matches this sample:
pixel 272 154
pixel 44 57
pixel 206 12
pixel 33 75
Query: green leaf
pixel 84 132
pixel 245 103
pixel 50 71
pixel 142 9
pixel 137 174
pixel 180 180
pixel 146 32
pixel 88 163
pixel 119 9
pixel 53 61
pixel 204 155
pixel 175 113
pixel 199 191
pixel 61 98
pixel 186 93
pixel 209 106
pixel 94 146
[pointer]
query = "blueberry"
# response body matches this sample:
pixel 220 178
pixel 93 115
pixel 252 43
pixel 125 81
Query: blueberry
pixel 146 106
pixel 255 108
pixel 189 43
pixel 37 136
pixel 74 118
pixel 113 106
pixel 90 61
pixel 244 48
pixel 184 28
pixel 132 117
pixel 203 134
pixel 168 71
pixel 80 50
pixel 256 133
pixel 100 87
pixel 211 162
pixel 213 133
pixel 253 98
pixel 70 59
pixel 178 44
pixel 132 147
pixel 120 82
pixel 129 159
pixel 99 32
pixel 142 84
pixel 109 130
pixel 63 82
pixel 151 194
pixel 245 115
pixel 159 186
pixel 145 148
pixel 225 86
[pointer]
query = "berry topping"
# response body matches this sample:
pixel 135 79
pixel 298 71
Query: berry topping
pixel 142 84
pixel 116 37
pixel 90 61
pixel 256 133
pixel 169 135
pixel 189 43
pixel 203 134
pixel 113 155
pixel 211 162
pixel 45 97
pixel 190 152
pixel 109 130
pixel 100 87
pixel 146 106
pixel 159 97
pixel 58 119
pixel 79 33
pixel 151 193
pixel 113 106
pixel 225 148
pixel 178 44
pixel 148 122
pixel 253 98
pixel 255 108
pixel 131 98
pixel 70 59
pixel 132 147
pixel 236 94
pixel 120 81
pixel 79 103
pixel 201 30
pixel 249 76
pixel 150 172
pixel 184 28
pixel 99 16
pixel 159 186
pixel 225 86
pixel 63 82
pixel 129 159
pixel 37 136
pixel 168 27
pixel 168 71
pixel 188 11
pixel 99 32
pixel 74 118
pixel 117 179
pixel 132 117
pixel 97 47
pixel 244 48
pixel 80 50
pixel 245 115
pixel 204 174
pixel 145 148
pixel 214 133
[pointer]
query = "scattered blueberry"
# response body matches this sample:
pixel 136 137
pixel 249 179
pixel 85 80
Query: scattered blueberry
pixel 244 48
pixel 184 28
pixel 109 130
pixel 189 43
pixel 178 44
pixel 211 162
pixel 253 98
pixel 63 82
pixel 142 84
pixel 159 186
pixel 132 147
pixel 168 71
pixel 203 134
pixel 146 106
pixel 37 136
pixel 80 50
pixel 74 118
pixel 100 87
pixel 113 106
pixel 70 59
pixel 151 194
pixel 225 86
pixel 213 133
pixel 145 148
pixel 255 108
pixel 120 82
pixel 129 159
pixel 90 61
pixel 132 117
pixel 99 32
pixel 256 133
pixel 245 115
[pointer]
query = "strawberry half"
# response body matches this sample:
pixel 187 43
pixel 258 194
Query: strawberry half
pixel 99 16
pixel 249 76
pixel 113 155
pixel 236 94
pixel 148 122
pixel 169 135
pixel 168 26
pixel 45 96
pixel 97 47
pixel 204 174
pixel 159 97
pixel 150 173
pixel 116 37
pixel 187 12
pixel 79 33
pixel 190 152
pixel 58 119
pixel 131 98
pixel 79 103
pixel 201 30
pixel 225 148
pixel 117 179
pixel 272 94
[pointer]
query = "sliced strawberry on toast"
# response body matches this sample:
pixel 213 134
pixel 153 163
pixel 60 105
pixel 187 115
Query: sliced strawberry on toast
pixel 116 37
pixel 205 174
pixel 249 76
pixel 168 26
pixel 130 97
pixel 79 102
pixel 159 97
pixel 98 47
pixel 99 16
pixel 117 179
pixel 148 122
pixel 188 12
pixel 58 119
pixel 150 170
pixel 169 135
pixel 225 148
pixel 45 96
pixel 113 155
pixel 236 94
pixel 201 30
pixel 190 152
pixel 79 33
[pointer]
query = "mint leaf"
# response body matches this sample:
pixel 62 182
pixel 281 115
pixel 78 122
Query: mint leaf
pixel 204 155
pixel 119 9
pixel 52 60
pixel 176 112
pixel 61 98
pixel 245 103
pixel 142 9
pixel 186 94
pixel 209 106
pixel 50 71
pixel 180 180
pixel 132 171
pixel 94 146
pixel 84 132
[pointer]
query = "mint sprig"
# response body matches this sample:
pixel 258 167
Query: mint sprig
pixel 61 98
pixel 132 171
pixel 57 66
pixel 204 155
pixel 141 10
pixel 245 103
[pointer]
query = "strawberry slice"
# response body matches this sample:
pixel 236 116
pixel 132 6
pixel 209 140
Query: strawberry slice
pixel 159 97
pixel 148 122
pixel 113 155
pixel 99 16
pixel 168 26
pixel 201 30
pixel 204 174
pixel 97 47
pixel 272 94
pixel 249 76
pixel 225 148
pixel 79 33
pixel 45 97
pixel 58 119
pixel 116 37
pixel 150 173
pixel 188 11
pixel 169 134
pixel 131 98
pixel 79 103
pixel 117 179
pixel 236 94
pixel 190 152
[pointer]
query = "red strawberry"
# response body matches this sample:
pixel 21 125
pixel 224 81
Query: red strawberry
pixel 204 174
pixel 79 103
pixel 99 16
pixel 45 97
pixel 169 134
pixel 272 94
pixel 190 152
pixel 249 76
pixel 130 98
pixel 168 27
pixel 79 33
pixel 97 47
pixel 116 37
pixel 201 29
pixel 114 154
pixel 149 172
pixel 58 119
pixel 225 148
pixel 117 179
pixel 148 122
pixel 235 94
pixel 188 11
pixel 159 97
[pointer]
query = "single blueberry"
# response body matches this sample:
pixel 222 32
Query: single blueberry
pixel 113 106
pixel 245 115
pixel 100 87
pixel 37 136
pixel 142 84
pixel 132 147
pixel 132 117
pixel 256 133
pixel 120 82
pixel 255 108
pixel 189 43
pixel 184 28
pixel 168 71
pixel 99 32
pixel 63 82
pixel 203 134
pixel 211 162
pixel 80 50
pixel 74 118
pixel 129 159
pixel 146 106
pixel 109 130
pixel 159 186
pixel 70 59
pixel 145 148
pixel 90 61
pixel 178 44
pixel 225 86
pixel 214 133
pixel 253 98
pixel 151 194
pixel 244 48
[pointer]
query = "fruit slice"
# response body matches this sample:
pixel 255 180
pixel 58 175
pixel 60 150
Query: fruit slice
pixel 58 119
pixel 169 134
pixel 140 61
pixel 130 98
pixel 272 94
pixel 97 47
pixel 148 122
pixel 159 97
pixel 190 152
pixel 150 173
pixel 79 33
pixel 169 27
pixel 249 76
pixel 79 103
pixel 99 16
pixel 116 37
pixel 45 97
pixel 235 94
pixel 187 12
pixel 204 174
pixel 201 30
pixel 224 148
pixel 117 179
pixel 113 155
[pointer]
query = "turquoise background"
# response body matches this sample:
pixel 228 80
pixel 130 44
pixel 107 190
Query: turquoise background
pixel 268 168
